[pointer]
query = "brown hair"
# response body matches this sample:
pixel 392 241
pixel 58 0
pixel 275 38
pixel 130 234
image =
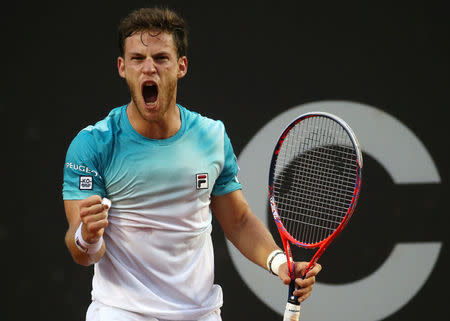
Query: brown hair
pixel 159 19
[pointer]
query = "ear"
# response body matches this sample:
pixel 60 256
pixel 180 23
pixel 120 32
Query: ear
pixel 182 67
pixel 121 66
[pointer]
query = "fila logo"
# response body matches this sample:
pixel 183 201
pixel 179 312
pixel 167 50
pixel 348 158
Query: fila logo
pixel 86 183
pixel 202 181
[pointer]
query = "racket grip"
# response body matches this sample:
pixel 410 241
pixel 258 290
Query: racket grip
pixel 292 298
pixel 292 312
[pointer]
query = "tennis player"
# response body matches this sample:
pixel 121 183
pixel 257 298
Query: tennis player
pixel 140 186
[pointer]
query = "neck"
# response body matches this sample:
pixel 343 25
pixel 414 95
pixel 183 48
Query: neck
pixel 162 127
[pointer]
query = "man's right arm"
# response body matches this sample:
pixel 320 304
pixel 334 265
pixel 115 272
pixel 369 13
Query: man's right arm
pixel 94 216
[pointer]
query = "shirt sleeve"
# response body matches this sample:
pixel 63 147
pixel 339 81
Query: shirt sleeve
pixel 227 181
pixel 82 169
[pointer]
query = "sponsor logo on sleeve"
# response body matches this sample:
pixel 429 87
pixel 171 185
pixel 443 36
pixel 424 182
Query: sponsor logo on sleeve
pixel 86 183
pixel 82 168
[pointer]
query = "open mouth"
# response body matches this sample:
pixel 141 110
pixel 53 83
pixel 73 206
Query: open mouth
pixel 150 92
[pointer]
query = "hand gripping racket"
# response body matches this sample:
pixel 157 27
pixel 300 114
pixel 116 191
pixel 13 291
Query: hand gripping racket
pixel 314 184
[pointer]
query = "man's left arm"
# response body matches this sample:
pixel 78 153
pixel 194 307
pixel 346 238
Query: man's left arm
pixel 242 227
pixel 253 239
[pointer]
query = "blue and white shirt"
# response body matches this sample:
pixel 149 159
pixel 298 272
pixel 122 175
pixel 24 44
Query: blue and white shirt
pixel 159 257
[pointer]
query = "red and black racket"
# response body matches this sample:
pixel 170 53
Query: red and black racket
pixel 314 185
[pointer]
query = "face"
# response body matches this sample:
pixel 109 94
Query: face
pixel 151 68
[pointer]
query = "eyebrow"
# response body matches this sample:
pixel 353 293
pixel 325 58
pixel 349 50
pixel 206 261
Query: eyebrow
pixel 158 53
pixel 135 53
pixel 162 52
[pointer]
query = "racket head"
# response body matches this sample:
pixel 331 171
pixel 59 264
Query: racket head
pixel 315 179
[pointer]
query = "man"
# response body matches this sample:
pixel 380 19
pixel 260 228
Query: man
pixel 163 167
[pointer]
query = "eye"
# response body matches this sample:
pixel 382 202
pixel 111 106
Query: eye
pixel 162 58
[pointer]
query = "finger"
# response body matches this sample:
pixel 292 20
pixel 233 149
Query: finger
pixel 300 267
pixel 286 279
pixel 92 218
pixel 91 200
pixel 93 231
pixel 91 210
pixel 303 293
pixel 95 227
pixel 283 273
pixel 307 282
pixel 315 270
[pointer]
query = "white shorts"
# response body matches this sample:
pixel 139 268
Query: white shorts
pixel 101 312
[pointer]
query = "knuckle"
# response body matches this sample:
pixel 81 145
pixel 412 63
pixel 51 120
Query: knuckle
pixel 94 198
pixel 83 211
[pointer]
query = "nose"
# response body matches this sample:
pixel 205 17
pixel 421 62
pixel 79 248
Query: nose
pixel 149 66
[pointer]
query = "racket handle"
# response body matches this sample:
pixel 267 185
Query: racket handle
pixel 292 298
pixel 292 311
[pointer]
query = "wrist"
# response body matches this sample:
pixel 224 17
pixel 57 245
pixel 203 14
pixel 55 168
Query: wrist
pixel 274 260
pixel 89 248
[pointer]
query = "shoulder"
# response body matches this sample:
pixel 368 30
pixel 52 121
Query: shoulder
pixel 105 127
pixel 96 138
pixel 202 123
pixel 102 131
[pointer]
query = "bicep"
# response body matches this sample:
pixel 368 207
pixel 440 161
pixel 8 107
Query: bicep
pixel 83 170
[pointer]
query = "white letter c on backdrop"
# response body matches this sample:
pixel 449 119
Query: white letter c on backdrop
pixel 404 158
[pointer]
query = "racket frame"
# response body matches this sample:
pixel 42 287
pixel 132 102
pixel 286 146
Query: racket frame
pixel 286 238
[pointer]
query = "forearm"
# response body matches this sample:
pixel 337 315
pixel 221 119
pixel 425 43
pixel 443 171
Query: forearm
pixel 243 228
pixel 78 255
pixel 93 213
pixel 252 239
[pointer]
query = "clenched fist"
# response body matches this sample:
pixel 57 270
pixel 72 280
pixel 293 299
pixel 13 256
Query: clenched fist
pixel 94 216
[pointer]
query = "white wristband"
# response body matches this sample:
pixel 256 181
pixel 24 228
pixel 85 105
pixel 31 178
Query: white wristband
pixel 84 246
pixel 274 260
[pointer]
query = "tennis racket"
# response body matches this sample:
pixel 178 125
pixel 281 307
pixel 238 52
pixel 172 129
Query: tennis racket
pixel 314 185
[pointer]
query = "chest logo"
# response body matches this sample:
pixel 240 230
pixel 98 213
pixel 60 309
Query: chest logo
pixel 202 181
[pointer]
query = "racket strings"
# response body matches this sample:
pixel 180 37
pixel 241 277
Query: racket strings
pixel 332 182
pixel 315 177
pixel 317 210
